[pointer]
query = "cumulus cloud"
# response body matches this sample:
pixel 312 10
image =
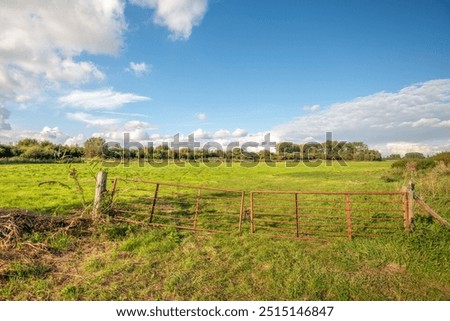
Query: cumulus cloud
pixel 403 147
pixel 238 132
pixel 92 121
pixel 77 140
pixel 105 99
pixel 139 69
pixel 312 108
pixel 53 134
pixel 417 113
pixel 200 116
pixel 40 42
pixel 137 135
pixel 222 133
pixel 179 16
pixel 136 124
pixel 135 128
pixel 427 122
pixel 4 115
pixel 201 134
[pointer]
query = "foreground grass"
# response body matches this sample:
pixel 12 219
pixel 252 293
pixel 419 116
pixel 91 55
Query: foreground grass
pixel 166 264
pixel 118 261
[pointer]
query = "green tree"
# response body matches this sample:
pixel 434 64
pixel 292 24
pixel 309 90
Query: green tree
pixel 414 155
pixel 93 147
pixel 27 142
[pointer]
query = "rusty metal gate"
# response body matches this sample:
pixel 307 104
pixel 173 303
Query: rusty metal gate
pixel 179 206
pixel 306 215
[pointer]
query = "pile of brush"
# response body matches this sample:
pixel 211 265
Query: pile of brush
pixel 15 224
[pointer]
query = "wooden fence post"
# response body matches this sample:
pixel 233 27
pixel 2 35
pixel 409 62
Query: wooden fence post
pixel 405 208
pixel 100 189
pixel 411 196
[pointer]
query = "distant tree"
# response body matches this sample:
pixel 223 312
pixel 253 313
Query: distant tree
pixel 6 151
pixel 161 152
pixel 34 152
pixel 47 144
pixel 27 142
pixel 414 155
pixel 76 151
pixel 394 156
pixel 93 147
pixel 287 147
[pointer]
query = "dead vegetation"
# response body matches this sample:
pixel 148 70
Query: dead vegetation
pixel 31 243
pixel 17 224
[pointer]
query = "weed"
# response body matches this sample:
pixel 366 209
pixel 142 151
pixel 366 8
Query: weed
pixel 20 270
pixel 61 241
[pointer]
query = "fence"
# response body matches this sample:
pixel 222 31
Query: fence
pixel 292 214
pixel 180 206
pixel 307 215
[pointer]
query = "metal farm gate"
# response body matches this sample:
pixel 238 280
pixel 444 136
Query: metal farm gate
pixel 180 206
pixel 291 214
pixel 306 215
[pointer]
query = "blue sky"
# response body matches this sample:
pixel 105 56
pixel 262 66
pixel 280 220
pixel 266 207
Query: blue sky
pixel 227 70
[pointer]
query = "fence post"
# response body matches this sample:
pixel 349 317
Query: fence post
pixel 252 214
pixel 349 218
pixel 405 208
pixel 100 189
pixel 155 197
pixel 411 195
pixel 199 193
pixel 241 212
pixel 297 224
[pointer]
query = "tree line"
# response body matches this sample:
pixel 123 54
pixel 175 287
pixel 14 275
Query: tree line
pixel 96 147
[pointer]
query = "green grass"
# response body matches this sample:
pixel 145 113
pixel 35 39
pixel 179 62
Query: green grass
pixel 134 262
pixel 19 183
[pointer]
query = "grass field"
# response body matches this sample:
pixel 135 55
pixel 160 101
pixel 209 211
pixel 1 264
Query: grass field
pixel 121 261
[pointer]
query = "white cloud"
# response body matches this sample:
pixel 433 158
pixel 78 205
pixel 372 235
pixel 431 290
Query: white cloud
pixel 312 108
pixel 137 135
pixel 106 99
pixel 48 133
pixel 136 124
pixel 222 133
pixel 200 116
pixel 139 69
pixel 201 134
pixel 135 128
pixel 40 42
pixel 417 113
pixel 444 123
pixel 403 147
pixel 91 121
pixel 53 134
pixel 238 132
pixel 422 122
pixel 77 140
pixel 179 16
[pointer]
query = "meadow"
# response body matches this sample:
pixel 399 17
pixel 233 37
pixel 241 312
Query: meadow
pixel 118 260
